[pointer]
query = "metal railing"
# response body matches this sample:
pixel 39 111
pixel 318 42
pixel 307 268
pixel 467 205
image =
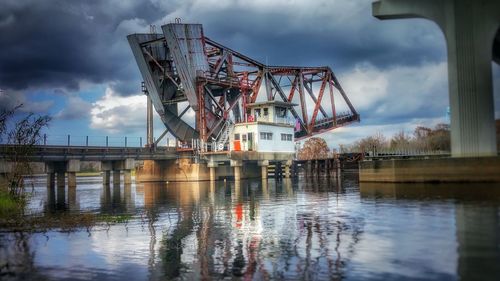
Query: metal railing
pixel 387 153
pixel 91 141
pixel 270 119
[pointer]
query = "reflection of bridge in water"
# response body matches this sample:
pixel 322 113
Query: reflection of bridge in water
pixel 231 231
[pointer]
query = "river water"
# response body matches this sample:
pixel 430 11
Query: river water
pixel 305 229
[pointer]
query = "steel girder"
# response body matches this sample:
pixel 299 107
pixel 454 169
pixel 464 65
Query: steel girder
pixel 183 65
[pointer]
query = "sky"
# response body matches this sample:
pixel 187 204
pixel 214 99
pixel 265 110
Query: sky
pixel 71 59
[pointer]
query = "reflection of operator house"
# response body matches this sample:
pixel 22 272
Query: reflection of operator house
pixel 268 128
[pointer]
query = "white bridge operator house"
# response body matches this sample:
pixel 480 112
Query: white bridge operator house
pixel 268 128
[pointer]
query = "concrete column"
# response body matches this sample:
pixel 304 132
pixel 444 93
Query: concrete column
pixel 60 179
pixel 51 179
pixel 264 168
pixel 470 28
pixel 72 198
pixel 127 196
pixel 288 164
pixel 265 189
pixel 264 171
pixel 212 165
pixel 106 167
pixel 212 173
pixel 116 177
pixel 72 167
pixel 51 197
pixel 127 176
pixel 106 177
pixel 237 169
pixel 71 179
pixel 61 196
pixel 237 173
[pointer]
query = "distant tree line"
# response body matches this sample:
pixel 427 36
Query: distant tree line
pixel 422 139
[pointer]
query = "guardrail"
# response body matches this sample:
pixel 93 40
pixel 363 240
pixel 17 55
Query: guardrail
pixel 404 153
pixel 91 141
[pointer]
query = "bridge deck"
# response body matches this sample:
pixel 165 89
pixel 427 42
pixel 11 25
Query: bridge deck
pixel 87 153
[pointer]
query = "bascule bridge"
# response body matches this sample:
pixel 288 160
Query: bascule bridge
pixel 185 71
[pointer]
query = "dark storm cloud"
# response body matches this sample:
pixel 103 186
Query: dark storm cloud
pixel 284 38
pixel 62 43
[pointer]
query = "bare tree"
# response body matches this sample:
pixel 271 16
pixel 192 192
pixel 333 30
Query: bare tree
pixel 371 143
pixel 20 138
pixel 314 148
pixel 401 140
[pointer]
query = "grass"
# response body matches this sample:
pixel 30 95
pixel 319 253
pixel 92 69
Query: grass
pixel 64 222
pixel 10 206
pixel 88 174
pixel 12 218
pixel 95 174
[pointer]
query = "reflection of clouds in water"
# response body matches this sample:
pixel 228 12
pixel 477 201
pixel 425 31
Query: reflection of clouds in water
pixel 393 240
pixel 310 230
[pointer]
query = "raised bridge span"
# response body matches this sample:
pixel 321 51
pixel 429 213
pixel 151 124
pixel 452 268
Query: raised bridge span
pixel 183 69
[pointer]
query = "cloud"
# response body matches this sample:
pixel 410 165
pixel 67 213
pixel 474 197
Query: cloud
pixel 393 71
pixel 75 108
pixel 398 94
pixel 118 115
pixel 60 44
pixel 84 41
pixel 10 99
pixel 335 33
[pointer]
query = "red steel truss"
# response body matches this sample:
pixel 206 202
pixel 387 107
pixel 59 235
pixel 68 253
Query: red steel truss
pixel 225 81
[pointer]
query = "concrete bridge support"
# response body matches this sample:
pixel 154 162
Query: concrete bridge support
pixel 288 164
pixel 116 167
pixel 212 166
pixel 60 182
pixel 106 167
pixel 57 171
pixel 72 166
pixel 470 28
pixel 264 165
pixel 51 179
pixel 236 164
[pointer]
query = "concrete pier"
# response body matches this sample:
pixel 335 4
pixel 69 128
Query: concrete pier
pixel 237 173
pixel 61 180
pixel 116 177
pixel 470 28
pixel 127 176
pixel 71 179
pixel 51 179
pixel 106 177
pixel 477 169
pixel 288 164
pixel 212 173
